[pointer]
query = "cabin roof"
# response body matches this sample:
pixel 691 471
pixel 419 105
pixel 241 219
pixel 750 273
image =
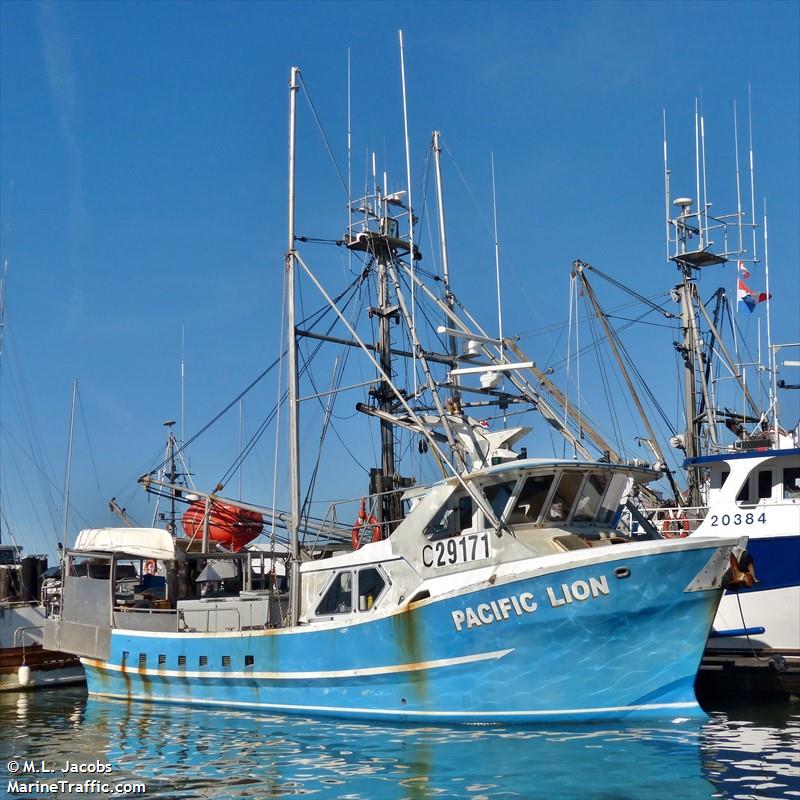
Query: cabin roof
pixel 644 473
pixel 761 453
pixel 140 542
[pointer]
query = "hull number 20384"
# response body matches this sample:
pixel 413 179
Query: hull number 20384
pixel 456 550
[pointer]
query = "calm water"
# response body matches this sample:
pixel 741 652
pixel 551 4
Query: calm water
pixel 182 754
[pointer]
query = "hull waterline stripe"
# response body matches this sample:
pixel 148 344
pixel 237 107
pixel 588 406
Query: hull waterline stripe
pixel 392 669
pixel 349 710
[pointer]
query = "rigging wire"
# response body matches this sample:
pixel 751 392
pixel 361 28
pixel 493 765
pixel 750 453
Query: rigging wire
pixel 307 94
pixel 89 443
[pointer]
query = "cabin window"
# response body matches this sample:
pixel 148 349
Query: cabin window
pixel 125 656
pixel 531 499
pixel 764 483
pixel 181 661
pixel 498 495
pixel 162 659
pixel 744 493
pixel 610 504
pixel 339 597
pixel 142 659
pixel 564 498
pixel 370 585
pixel 452 518
pixel 591 495
pixel 226 661
pixel 249 661
pixel 203 661
pixel 791 483
pixel 718 478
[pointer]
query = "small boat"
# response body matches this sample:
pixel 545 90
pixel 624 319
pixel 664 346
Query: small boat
pixel 24 663
pixel 498 592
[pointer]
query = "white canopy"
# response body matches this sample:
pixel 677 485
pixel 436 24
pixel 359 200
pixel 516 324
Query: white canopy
pixel 140 542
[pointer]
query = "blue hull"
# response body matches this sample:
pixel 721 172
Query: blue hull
pixel 605 647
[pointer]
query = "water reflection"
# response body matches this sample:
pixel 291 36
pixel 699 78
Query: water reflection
pixel 186 754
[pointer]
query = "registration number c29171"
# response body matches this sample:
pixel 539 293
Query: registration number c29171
pixel 457 550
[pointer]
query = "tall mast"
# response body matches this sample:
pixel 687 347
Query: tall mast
pixel 449 298
pixel 293 395
pixel 390 503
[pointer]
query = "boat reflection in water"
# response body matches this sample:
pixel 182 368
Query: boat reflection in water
pixel 179 752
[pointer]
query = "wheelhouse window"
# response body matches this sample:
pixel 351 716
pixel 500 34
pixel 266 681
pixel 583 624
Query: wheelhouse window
pixel 743 498
pixel 339 597
pixel 452 518
pixel 498 495
pixel 618 485
pixel 366 584
pixel 564 498
pixel 718 478
pixel 370 586
pixel 791 483
pixel 591 495
pixel 764 483
pixel 531 499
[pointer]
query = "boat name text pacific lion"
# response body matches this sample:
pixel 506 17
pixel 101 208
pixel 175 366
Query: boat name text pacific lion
pixel 524 603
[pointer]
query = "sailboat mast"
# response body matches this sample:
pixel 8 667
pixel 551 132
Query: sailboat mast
pixel 293 395
pixel 68 470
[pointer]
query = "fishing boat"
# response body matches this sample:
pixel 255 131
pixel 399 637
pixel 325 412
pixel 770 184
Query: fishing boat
pixel 498 592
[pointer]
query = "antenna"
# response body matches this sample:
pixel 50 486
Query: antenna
pixel 497 264
pixel 697 170
pixel 183 361
pixel 773 388
pixel 752 170
pixel 666 181
pixel 410 204
pixel 703 151
pixel 738 183
pixel 349 161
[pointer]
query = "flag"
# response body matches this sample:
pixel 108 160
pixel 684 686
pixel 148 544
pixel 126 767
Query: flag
pixel 744 294
pixel 743 271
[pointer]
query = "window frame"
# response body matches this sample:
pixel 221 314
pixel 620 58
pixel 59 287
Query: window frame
pixel 354 595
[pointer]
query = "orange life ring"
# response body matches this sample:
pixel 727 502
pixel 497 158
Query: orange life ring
pixel 675 525
pixel 364 520
pixel 150 567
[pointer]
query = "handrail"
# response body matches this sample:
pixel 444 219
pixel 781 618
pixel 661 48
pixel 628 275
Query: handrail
pixel 22 631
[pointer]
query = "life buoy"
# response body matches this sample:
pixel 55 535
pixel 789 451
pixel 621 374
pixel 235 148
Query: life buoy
pixel 675 525
pixel 150 567
pixel 364 520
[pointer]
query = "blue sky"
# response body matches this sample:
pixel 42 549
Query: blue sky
pixel 143 169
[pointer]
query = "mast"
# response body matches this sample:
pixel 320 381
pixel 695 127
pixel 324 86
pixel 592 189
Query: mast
pixel 390 502
pixel 172 474
pixel 449 298
pixel 293 394
pixel 68 470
